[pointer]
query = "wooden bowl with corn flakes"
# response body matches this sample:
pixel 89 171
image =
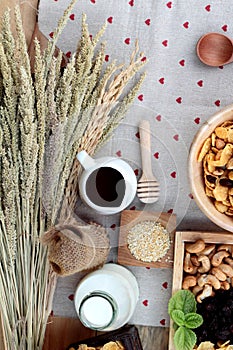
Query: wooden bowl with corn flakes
pixel 210 167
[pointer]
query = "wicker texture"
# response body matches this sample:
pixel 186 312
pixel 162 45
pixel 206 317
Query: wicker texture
pixel 76 247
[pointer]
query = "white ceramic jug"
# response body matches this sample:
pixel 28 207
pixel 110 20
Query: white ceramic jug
pixel 107 185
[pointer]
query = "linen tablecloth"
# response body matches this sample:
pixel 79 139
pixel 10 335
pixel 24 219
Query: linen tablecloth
pixel 178 95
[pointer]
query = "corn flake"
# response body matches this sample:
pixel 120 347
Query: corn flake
pixel 216 155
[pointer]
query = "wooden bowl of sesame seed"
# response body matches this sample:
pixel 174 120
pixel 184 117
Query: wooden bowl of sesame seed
pixel 146 239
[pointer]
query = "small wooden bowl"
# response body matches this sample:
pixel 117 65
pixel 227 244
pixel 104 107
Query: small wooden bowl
pixel 195 170
pixel 215 49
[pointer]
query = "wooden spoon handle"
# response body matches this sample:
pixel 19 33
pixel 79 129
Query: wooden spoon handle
pixel 145 145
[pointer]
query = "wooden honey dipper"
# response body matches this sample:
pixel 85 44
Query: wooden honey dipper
pixel 148 186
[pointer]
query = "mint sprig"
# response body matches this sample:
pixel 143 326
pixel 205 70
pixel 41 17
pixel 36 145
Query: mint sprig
pixel 182 310
pixel 184 338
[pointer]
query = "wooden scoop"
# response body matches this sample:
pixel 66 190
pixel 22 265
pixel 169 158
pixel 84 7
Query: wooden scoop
pixel 148 186
pixel 215 49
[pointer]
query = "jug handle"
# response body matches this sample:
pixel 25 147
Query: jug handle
pixel 85 160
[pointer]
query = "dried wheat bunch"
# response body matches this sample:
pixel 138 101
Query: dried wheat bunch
pixel 45 119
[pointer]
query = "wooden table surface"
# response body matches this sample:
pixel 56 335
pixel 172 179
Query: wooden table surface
pixel 64 331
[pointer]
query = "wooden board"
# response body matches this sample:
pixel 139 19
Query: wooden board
pixel 62 331
pixel 131 217
pixel 180 239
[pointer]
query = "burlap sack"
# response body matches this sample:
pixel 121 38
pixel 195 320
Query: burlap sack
pixel 75 248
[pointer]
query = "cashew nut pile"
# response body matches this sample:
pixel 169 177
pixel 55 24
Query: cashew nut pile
pixel 207 267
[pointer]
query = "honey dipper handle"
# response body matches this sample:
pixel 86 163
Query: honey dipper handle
pixel 145 145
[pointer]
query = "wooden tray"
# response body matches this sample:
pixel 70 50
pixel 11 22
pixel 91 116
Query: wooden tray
pixel 180 239
pixel 131 217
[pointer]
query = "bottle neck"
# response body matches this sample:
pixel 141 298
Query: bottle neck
pixel 97 310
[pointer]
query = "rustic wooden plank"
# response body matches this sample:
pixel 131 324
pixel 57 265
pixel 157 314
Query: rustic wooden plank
pixel 131 217
pixel 63 331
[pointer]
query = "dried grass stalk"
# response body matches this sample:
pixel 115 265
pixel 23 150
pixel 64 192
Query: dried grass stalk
pixel 44 122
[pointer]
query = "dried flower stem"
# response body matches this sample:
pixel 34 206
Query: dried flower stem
pixel 44 122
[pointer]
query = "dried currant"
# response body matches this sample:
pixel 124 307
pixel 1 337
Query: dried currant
pixel 226 182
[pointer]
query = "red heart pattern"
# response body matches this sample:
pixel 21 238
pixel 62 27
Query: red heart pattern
pixel 133 208
pixel 163 322
pixel 224 27
pixel 177 90
pixel 173 174
pixel 161 80
pixel 68 54
pixel 71 297
pixel 182 62
pixel 140 97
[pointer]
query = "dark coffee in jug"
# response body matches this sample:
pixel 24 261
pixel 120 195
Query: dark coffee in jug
pixel 106 187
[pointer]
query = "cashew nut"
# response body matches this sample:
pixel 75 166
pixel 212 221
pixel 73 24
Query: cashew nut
pixel 209 279
pixel 227 247
pixel 208 249
pixel 189 281
pixel 205 261
pixel 196 289
pixel 196 247
pixel 207 292
pixel 188 266
pixel 229 261
pixel 219 274
pixel 194 259
pixel 227 269
pixel 218 257
pixel 225 285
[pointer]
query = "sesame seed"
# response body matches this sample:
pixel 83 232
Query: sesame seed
pixel 148 241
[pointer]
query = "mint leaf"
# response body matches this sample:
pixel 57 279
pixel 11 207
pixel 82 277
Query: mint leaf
pixel 178 317
pixel 193 320
pixel 184 339
pixel 183 300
